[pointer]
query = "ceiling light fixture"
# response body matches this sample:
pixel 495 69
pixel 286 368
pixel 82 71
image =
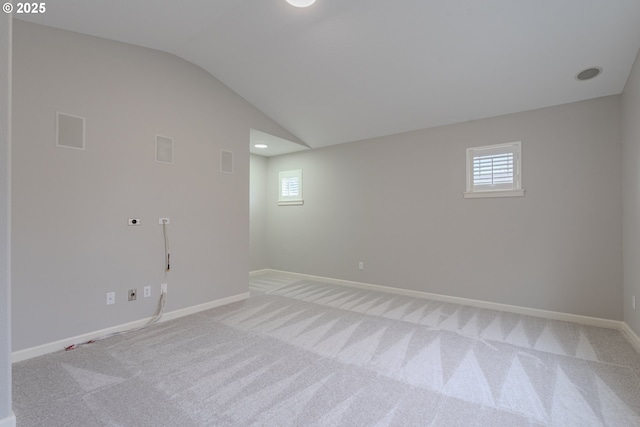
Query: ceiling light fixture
pixel 589 73
pixel 261 145
pixel 301 3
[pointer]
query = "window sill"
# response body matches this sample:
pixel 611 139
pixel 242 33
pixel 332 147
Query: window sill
pixel 291 203
pixel 498 193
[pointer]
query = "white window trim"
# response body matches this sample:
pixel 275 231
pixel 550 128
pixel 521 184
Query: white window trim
pixel 496 193
pixel 292 203
pixel 290 200
pixel 517 191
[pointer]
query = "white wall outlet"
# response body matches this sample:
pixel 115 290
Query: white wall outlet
pixel 164 221
pixel 361 265
pixel 147 291
pixel 134 221
pixel 163 288
pixel 111 298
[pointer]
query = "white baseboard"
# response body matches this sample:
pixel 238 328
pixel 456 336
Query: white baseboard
pixel 43 349
pixel 206 306
pixel 8 421
pixel 554 315
pixel 257 272
pixel 631 335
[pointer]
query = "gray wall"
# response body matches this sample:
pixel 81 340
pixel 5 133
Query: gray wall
pixel 71 242
pixel 258 213
pixel 396 203
pixel 5 203
pixel 631 193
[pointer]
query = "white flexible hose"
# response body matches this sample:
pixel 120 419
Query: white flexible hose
pixel 166 245
pixel 162 303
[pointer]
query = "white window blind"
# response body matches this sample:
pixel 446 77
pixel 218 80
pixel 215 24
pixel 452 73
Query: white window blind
pixel 290 188
pixel 494 171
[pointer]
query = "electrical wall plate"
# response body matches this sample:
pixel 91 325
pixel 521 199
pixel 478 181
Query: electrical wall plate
pixel 164 221
pixel 133 294
pixel 134 221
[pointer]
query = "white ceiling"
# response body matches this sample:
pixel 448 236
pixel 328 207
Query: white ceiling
pixel 275 145
pixel 345 70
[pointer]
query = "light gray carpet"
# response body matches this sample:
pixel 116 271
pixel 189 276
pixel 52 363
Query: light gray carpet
pixel 302 353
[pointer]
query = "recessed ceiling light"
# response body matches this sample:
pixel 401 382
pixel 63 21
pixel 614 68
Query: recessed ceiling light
pixel 261 145
pixel 301 3
pixel 589 73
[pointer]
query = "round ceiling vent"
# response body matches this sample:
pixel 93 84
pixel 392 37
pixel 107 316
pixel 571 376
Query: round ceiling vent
pixel 589 73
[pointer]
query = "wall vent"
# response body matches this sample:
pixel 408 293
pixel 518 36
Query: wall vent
pixel 164 149
pixel 70 131
pixel 226 161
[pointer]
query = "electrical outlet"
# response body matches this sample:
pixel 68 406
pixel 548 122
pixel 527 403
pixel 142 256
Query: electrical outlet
pixel 134 221
pixel 133 293
pixel 147 291
pixel 361 265
pixel 163 288
pixel 164 221
pixel 111 298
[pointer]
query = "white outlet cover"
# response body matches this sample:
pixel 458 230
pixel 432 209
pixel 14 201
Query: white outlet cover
pixel 164 221
pixel 147 291
pixel 111 298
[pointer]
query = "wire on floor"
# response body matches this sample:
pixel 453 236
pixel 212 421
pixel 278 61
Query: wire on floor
pixel 153 321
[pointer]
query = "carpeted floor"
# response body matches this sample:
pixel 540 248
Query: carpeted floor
pixel 302 353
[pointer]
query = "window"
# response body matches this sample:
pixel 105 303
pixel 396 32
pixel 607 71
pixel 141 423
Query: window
pixel 290 188
pixel 494 171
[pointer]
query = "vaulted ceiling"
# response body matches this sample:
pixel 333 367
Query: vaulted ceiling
pixel 345 70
